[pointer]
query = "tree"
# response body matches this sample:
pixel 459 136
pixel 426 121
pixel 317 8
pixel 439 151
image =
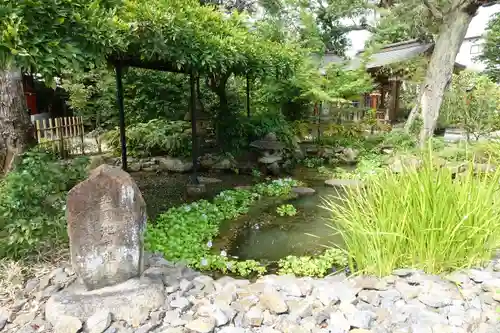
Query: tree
pixel 491 53
pixel 42 37
pixel 454 17
pixel 472 103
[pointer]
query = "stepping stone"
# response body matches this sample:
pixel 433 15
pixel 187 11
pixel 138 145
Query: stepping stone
pixel 302 191
pixel 343 182
pixel 208 180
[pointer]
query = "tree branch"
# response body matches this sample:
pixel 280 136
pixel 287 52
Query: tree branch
pixel 433 9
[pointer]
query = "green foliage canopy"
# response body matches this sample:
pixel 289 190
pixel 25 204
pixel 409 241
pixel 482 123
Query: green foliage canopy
pixel 472 103
pixel 491 53
pixel 47 37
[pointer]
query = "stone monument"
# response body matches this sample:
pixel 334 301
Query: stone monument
pixel 106 221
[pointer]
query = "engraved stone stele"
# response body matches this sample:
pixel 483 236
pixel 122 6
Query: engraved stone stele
pixel 106 221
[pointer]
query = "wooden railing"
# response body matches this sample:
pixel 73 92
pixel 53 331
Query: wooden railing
pixel 64 135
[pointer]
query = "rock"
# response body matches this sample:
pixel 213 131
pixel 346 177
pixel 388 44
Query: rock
pixel 492 286
pixel 371 283
pixel 202 325
pixel 496 266
pixel 401 163
pixel 349 155
pixel 434 300
pixel 67 324
pixel 457 278
pixel 131 301
pixel 274 302
pixel 232 329
pixel 18 305
pixel 484 168
pixel 270 330
pixel 224 164
pixel 146 328
pixel 370 296
pixel 174 164
pixel 479 276
pixel 181 303
pixel 98 322
pixel 254 317
pixel 270 159
pixel 338 323
pixel 361 319
pixel 303 191
pixel 106 221
pixel 194 190
pixel 24 318
pixel 208 180
pixel 407 291
pixel 403 272
pixel 274 168
pixel 4 317
pixel 134 167
pixel 31 285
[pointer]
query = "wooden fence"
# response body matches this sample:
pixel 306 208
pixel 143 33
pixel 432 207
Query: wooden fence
pixel 64 135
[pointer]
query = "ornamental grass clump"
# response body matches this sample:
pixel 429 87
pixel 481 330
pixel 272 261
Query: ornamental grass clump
pixel 420 218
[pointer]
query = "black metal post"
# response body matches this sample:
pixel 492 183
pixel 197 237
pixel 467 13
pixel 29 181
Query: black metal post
pixel 119 100
pixel 320 110
pixel 248 96
pixel 194 136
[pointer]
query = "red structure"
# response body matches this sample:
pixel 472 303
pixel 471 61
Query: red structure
pixel 29 93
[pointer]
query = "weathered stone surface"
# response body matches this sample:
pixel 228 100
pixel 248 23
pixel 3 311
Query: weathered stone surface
pixel 98 322
pixel 131 301
pixel 67 324
pixel 208 180
pixel 106 221
pixel 4 316
pixel 202 325
pixel 254 317
pixel 274 302
pixel 174 164
pixel 303 191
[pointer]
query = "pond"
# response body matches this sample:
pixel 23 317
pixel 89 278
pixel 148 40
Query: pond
pixel 265 236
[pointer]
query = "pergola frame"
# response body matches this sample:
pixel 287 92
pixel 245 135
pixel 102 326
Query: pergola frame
pixel 122 62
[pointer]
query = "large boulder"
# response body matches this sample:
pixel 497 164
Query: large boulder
pixel 130 301
pixel 106 221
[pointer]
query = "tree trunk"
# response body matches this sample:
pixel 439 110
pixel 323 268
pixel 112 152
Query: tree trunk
pixel 440 70
pixel 217 82
pixel 414 112
pixel 15 125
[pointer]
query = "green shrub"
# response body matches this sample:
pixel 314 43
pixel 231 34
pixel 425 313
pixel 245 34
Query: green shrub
pixel 32 202
pixel 313 162
pixel 154 138
pixel 472 103
pixel 319 266
pixel 399 140
pixel 286 210
pixel 185 233
pixel 420 218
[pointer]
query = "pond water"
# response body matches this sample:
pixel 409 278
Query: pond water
pixel 265 236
